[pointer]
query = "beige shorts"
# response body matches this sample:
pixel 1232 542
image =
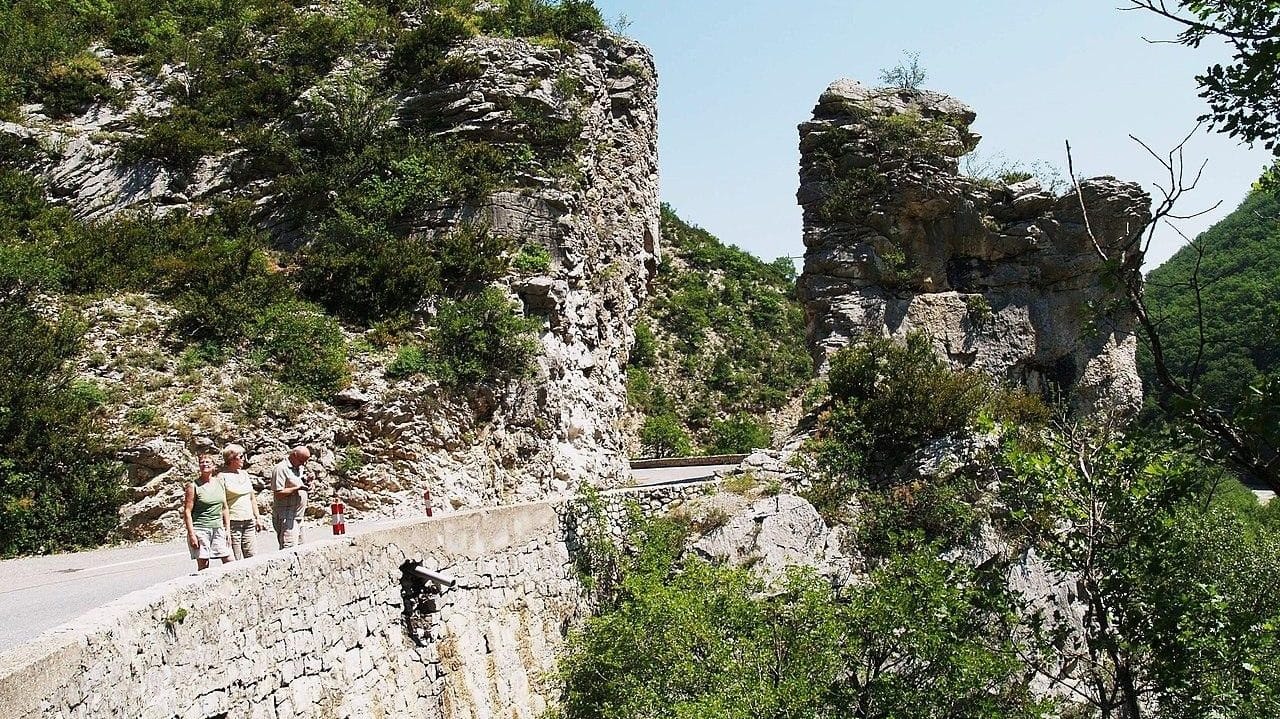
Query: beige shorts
pixel 211 543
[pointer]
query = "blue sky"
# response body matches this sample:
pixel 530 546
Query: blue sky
pixel 736 78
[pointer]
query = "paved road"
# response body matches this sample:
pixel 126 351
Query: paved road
pixel 646 477
pixel 39 593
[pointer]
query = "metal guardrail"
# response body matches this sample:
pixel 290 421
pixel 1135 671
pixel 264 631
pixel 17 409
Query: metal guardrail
pixel 664 462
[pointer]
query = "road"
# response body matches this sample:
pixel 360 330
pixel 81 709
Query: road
pixel 39 593
pixel 647 477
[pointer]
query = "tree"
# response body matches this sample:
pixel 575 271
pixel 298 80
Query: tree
pixel 1242 95
pixel 1245 440
pixel 59 487
pixel 921 637
pixel 907 74
pixel 1177 618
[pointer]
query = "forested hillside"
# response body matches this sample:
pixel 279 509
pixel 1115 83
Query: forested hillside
pixel 719 357
pixel 215 218
pixel 1222 338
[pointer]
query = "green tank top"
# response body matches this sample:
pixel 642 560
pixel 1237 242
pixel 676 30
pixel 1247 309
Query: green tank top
pixel 206 511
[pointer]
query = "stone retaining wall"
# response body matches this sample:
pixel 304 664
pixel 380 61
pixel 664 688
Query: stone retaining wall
pixel 331 630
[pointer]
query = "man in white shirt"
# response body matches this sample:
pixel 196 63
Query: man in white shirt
pixel 289 486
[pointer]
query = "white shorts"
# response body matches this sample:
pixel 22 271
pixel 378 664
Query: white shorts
pixel 211 543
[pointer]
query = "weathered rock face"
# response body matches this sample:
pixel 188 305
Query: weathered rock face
pixel 1004 278
pixel 771 534
pixel 381 442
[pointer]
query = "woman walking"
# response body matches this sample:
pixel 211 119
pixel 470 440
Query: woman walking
pixel 204 510
pixel 242 503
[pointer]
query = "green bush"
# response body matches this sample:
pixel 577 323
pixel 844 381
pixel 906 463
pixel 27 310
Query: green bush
pixel 739 434
pixel 70 85
pixel 470 258
pixel 532 18
pixel 409 359
pixel 552 139
pixel 178 141
pixel 663 436
pixel 532 260
pixel 888 400
pixel 639 388
pixel 474 339
pixel 921 637
pixel 305 346
pixel 362 270
pixel 644 352
pixel 59 487
pixel 422 49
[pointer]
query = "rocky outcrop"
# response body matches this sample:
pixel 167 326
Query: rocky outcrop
pixel 1004 278
pixel 383 441
pixel 770 535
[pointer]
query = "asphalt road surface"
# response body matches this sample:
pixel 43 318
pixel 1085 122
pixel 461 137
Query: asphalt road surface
pixel 646 477
pixel 40 593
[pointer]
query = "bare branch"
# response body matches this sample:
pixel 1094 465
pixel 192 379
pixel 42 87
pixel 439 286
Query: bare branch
pixel 1160 9
pixel 1233 441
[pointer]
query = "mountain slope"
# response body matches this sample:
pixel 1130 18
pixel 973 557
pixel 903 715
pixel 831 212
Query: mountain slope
pixel 719 362
pixel 414 236
pixel 1238 266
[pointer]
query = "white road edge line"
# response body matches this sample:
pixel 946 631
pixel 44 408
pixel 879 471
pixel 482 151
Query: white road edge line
pixel 133 561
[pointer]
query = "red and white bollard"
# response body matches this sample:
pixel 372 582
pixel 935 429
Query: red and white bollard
pixel 339 526
pixel 426 498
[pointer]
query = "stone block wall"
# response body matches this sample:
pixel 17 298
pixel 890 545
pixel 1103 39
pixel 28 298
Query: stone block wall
pixel 332 630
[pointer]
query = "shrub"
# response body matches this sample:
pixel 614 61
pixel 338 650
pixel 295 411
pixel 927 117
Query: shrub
pixel 887 400
pixel 142 416
pixel 469 258
pixel 1013 177
pixel 639 388
pixel 686 638
pixel 906 75
pixel 59 487
pixel 739 434
pixel 533 18
pixel 364 271
pixel 473 339
pixel 644 352
pixel 422 49
pixel 662 436
pixel 305 346
pixel 531 260
pixel 360 271
pixel 552 139
pixel 71 85
pixel 891 399
pixel 409 360
pixel 177 141
pixel 346 113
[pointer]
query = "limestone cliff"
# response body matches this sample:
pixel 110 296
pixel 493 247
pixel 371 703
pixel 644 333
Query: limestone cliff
pixel 384 439
pixel 1003 278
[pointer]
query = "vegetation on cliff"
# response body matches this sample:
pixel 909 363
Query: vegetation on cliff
pixel 720 349
pixel 58 484
pixel 1164 568
pixel 272 89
